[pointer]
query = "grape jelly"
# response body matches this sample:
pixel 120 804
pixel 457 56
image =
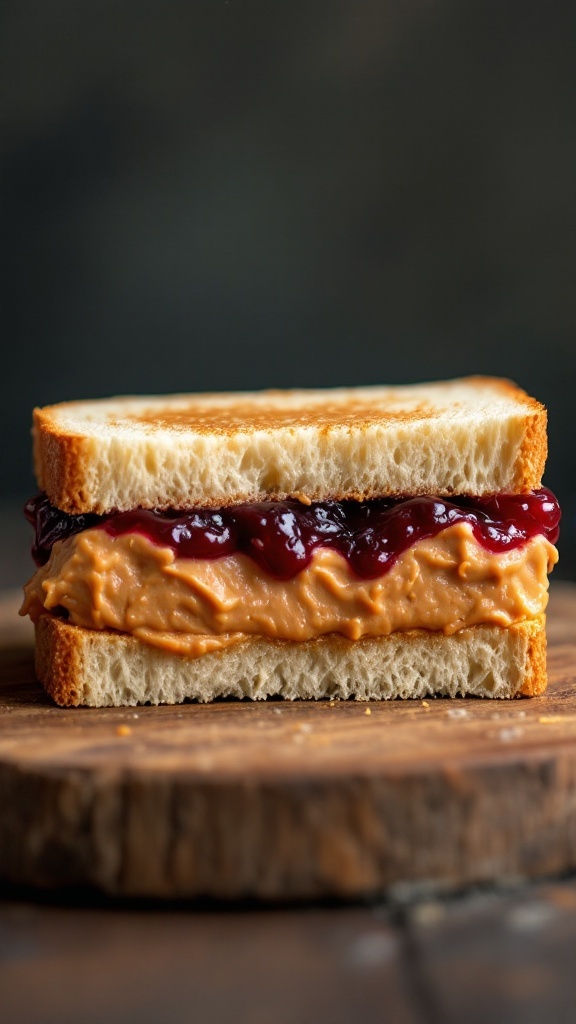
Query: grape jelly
pixel 281 536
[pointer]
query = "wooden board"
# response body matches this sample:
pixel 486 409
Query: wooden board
pixel 319 965
pixel 505 957
pixel 281 801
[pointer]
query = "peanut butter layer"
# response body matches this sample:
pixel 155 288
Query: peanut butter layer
pixel 194 606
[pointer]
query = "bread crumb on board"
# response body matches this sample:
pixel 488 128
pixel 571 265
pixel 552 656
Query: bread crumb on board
pixel 556 719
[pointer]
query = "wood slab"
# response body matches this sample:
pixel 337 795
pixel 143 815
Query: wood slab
pixel 283 800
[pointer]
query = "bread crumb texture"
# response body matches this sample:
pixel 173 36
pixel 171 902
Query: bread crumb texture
pixel 471 436
pixel 102 668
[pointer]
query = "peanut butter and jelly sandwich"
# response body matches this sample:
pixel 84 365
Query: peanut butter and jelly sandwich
pixel 369 542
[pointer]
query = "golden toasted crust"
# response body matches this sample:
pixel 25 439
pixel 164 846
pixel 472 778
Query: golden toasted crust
pixel 72 663
pixel 59 461
pixel 58 660
pixel 533 452
pixel 223 449
pixel 242 416
pixel 534 449
pixel 536 677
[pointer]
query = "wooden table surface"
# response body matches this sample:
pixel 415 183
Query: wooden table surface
pixel 497 953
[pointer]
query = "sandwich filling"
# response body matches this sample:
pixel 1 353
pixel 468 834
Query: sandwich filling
pixel 197 581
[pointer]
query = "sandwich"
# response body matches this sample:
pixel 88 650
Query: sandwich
pixel 366 543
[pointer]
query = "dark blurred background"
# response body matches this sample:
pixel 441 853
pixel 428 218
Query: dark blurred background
pixel 214 195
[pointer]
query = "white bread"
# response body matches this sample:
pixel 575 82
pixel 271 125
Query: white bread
pixel 102 669
pixel 472 436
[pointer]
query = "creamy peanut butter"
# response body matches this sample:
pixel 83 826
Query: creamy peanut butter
pixel 193 606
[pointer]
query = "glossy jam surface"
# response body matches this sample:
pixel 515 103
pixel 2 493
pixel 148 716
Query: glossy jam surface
pixel 281 536
pixel 50 525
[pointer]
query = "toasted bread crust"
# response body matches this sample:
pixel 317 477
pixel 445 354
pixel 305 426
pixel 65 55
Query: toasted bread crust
pixel 536 677
pixel 216 450
pixel 80 666
pixel 533 450
pixel 59 462
pixel 58 661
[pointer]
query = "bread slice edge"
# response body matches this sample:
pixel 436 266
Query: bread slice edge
pixel 363 459
pixel 93 668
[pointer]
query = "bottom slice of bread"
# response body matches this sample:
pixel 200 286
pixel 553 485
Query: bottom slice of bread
pixel 106 669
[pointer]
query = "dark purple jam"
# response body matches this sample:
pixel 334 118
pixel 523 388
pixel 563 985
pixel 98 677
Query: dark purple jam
pixel 281 536
pixel 50 525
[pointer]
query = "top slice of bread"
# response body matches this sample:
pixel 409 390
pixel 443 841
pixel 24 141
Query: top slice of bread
pixel 472 436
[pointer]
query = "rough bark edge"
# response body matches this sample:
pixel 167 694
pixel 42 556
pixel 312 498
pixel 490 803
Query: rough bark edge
pixel 143 836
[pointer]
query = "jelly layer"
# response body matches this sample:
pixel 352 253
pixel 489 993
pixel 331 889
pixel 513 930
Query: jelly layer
pixel 281 537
